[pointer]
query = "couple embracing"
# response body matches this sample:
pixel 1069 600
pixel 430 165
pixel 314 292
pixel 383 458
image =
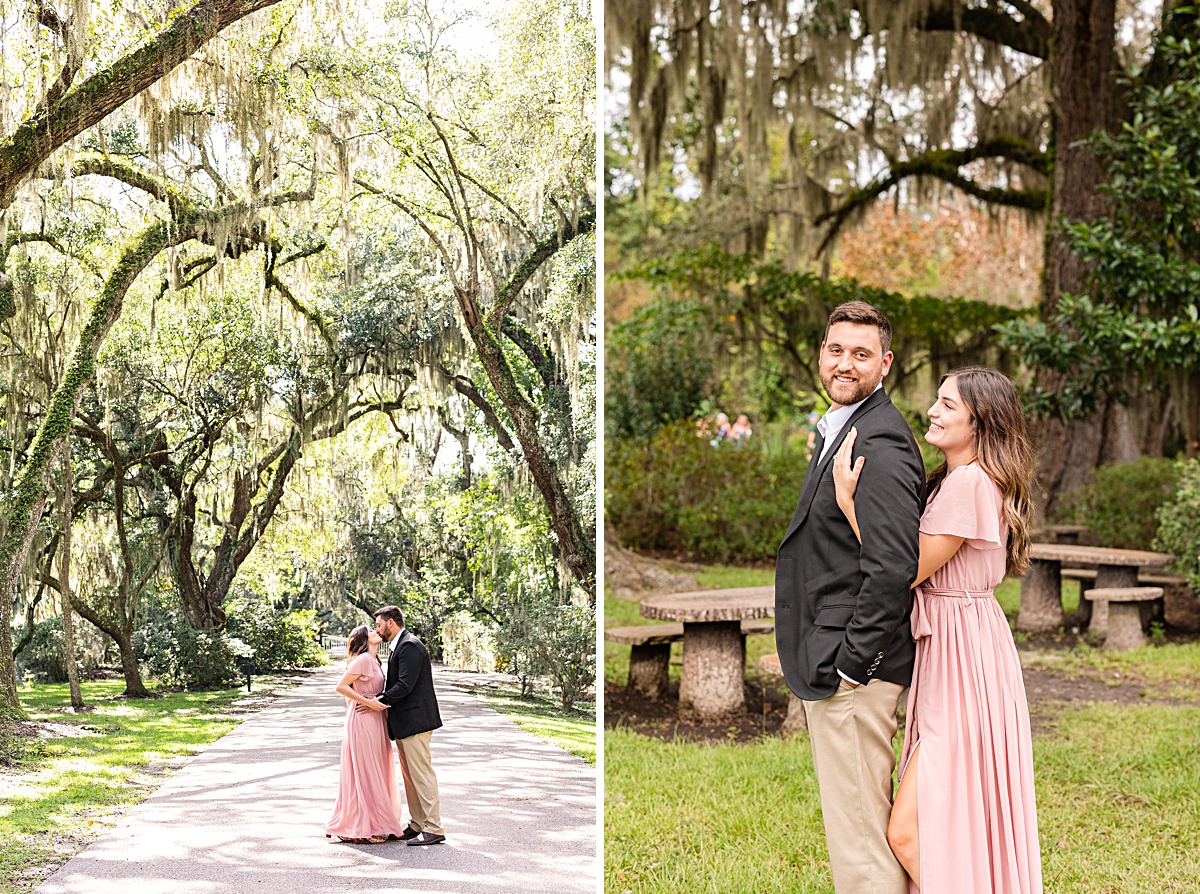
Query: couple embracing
pixel 885 579
pixel 403 707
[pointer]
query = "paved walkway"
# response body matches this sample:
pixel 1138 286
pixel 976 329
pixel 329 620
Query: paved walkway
pixel 249 814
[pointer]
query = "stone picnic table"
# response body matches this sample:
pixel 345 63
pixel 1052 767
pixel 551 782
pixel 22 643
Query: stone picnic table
pixel 1041 586
pixel 714 650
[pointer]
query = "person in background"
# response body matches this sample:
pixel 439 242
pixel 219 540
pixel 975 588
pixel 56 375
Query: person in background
pixel 741 429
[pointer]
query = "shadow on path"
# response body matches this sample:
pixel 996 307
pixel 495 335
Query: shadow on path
pixel 249 813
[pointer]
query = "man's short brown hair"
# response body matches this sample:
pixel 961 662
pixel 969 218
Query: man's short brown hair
pixel 390 613
pixel 865 314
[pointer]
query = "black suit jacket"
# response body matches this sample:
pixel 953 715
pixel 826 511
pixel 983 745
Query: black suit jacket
pixel 840 605
pixel 412 704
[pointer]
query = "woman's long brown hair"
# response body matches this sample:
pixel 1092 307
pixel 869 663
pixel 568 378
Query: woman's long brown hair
pixel 356 642
pixel 1002 449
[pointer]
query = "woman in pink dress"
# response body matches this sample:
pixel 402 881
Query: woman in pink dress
pixel 368 802
pixel 964 819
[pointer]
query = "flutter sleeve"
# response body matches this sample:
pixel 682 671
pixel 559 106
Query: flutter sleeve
pixel 361 665
pixel 968 504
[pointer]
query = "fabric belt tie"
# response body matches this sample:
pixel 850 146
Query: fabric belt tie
pixel 920 612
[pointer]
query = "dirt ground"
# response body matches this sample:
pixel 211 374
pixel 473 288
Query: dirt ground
pixel 1048 689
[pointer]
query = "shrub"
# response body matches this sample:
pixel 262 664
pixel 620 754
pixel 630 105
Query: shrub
pixel 178 654
pixel 45 655
pixel 276 639
pixel 1120 504
pixel 467 644
pixel 678 493
pixel 658 366
pixel 546 636
pixel 1179 529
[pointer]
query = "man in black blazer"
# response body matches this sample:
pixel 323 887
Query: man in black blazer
pixel 412 717
pixel 842 609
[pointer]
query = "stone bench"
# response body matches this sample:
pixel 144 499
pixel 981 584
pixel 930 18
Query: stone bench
pixel 1124 613
pixel 650 652
pixel 796 719
pixel 1176 607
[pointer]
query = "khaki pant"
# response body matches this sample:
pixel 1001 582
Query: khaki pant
pixel 420 784
pixel 851 734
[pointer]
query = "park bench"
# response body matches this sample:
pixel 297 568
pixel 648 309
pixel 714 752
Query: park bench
pixel 650 652
pixel 1124 613
pixel 1172 608
pixel 796 719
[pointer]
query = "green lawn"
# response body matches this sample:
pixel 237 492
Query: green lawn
pixel 1118 790
pixel 1118 786
pixel 573 731
pixel 66 790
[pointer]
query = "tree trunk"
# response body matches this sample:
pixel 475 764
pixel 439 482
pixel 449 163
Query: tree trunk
pixel 576 546
pixel 33 486
pixel 134 687
pixel 64 575
pixel 120 633
pixel 55 124
pixel 1081 102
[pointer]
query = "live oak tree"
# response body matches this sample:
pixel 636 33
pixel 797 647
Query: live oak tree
pixel 236 178
pixel 500 190
pixel 85 70
pixel 794 118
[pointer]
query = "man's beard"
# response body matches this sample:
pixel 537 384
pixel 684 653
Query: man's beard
pixel 845 395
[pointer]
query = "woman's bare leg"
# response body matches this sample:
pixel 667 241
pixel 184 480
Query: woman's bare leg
pixel 903 833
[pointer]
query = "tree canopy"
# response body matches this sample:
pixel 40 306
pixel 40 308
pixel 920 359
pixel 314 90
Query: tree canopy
pixel 322 223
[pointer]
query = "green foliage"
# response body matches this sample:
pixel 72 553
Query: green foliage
pixel 1120 505
pixel 678 493
pixel 277 639
pixel 1143 259
pixel 772 319
pixel 467 645
pixel 658 367
pixel 1179 524
pixel 45 655
pixel 175 653
pixel 553 638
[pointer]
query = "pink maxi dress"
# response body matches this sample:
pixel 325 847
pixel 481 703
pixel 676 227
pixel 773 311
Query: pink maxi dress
pixel 368 802
pixel 967 709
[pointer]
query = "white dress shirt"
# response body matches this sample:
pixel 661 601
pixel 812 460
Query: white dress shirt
pixel 831 424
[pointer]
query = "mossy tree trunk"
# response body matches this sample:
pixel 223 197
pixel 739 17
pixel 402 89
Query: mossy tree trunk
pixel 64 575
pixel 577 545
pixel 66 112
pixel 33 485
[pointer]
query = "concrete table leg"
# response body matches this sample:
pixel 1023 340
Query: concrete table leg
pixel 1124 626
pixel 796 719
pixel 712 682
pixel 1041 597
pixel 648 669
pixel 1109 576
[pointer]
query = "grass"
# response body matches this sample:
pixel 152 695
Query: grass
pixel 69 788
pixel 1118 790
pixel 573 731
